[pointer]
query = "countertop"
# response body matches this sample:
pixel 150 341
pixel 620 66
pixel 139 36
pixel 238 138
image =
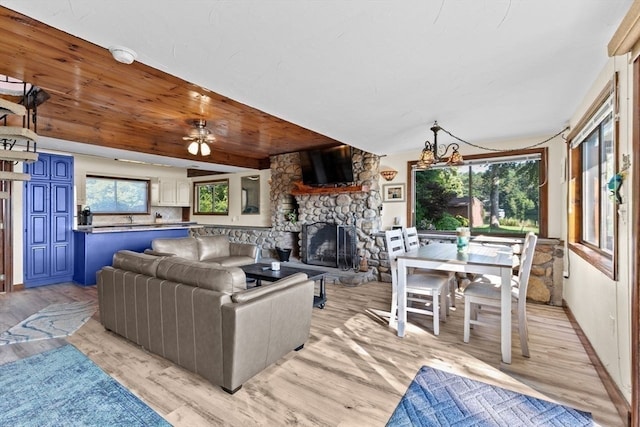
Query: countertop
pixel 117 228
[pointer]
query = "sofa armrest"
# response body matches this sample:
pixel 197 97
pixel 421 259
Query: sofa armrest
pixel 258 332
pixel 259 291
pixel 156 253
pixel 244 249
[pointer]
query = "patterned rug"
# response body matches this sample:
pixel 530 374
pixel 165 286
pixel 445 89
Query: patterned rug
pixel 438 398
pixel 54 321
pixel 62 387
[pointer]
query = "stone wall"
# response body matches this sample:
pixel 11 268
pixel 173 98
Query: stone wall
pixel 266 238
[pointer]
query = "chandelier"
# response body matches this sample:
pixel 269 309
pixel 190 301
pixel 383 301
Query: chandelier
pixel 200 138
pixel 432 153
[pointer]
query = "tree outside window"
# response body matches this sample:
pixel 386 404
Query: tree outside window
pixel 106 195
pixel 212 198
pixel 492 195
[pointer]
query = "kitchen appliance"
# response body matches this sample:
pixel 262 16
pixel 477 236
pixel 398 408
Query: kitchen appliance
pixel 86 217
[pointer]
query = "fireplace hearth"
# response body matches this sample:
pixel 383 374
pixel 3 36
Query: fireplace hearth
pixel 330 245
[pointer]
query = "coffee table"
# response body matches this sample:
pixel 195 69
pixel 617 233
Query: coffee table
pixel 264 272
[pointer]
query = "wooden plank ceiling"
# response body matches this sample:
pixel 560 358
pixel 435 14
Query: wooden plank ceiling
pixel 96 100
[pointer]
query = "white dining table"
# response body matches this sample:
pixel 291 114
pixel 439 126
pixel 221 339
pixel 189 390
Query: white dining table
pixel 480 258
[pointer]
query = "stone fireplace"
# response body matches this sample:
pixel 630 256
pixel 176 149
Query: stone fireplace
pixel 353 209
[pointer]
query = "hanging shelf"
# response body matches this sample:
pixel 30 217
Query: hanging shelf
pixel 8 107
pixel 18 156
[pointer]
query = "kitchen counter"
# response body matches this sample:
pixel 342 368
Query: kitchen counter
pixel 94 246
pixel 116 228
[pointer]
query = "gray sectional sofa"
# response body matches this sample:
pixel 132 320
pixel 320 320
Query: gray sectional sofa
pixel 211 249
pixel 201 315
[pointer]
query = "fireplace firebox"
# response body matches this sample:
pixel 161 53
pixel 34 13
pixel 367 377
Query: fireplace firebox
pixel 330 245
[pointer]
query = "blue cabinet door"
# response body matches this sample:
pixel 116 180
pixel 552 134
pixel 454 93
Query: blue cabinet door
pixel 61 229
pixel 48 221
pixel 61 169
pixel 39 169
pixel 37 242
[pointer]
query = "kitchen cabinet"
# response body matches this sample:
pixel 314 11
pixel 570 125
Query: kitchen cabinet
pixel 170 192
pixel 183 192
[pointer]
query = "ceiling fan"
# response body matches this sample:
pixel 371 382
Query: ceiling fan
pixel 200 138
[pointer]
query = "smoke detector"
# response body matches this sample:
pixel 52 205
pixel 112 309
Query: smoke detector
pixel 123 54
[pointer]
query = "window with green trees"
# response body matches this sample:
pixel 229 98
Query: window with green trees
pixel 498 195
pixel 105 195
pixel 212 198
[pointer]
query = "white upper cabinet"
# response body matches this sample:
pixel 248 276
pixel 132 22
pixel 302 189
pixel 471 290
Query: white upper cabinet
pixel 171 192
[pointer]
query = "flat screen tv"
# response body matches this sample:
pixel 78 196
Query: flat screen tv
pixel 327 166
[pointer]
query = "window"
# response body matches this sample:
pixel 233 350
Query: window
pixel 211 198
pixel 592 210
pixel 106 195
pixel 597 207
pixel 498 195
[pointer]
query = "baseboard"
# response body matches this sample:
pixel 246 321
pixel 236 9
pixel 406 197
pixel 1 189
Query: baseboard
pixel 18 287
pixel 616 396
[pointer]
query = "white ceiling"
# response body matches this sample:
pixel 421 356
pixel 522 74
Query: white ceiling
pixel 372 74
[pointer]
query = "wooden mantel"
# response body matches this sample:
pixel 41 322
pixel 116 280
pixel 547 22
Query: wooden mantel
pixel 301 189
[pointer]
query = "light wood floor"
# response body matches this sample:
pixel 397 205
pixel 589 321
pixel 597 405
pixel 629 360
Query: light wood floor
pixel 352 371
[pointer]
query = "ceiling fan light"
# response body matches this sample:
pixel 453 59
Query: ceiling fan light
pixel 204 149
pixel 193 148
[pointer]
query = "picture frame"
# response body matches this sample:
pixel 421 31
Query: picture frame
pixel 393 193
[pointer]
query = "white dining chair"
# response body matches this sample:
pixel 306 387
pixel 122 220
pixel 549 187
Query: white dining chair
pixel 485 291
pixel 411 242
pixel 418 285
pixel 411 239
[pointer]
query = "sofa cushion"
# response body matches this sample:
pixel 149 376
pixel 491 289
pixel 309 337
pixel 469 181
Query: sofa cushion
pixel 183 247
pixel 253 293
pixel 202 274
pixel 212 247
pixel 232 261
pixel 136 262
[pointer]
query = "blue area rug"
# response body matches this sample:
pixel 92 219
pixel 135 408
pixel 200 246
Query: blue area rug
pixel 54 321
pixel 62 387
pixel 438 398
